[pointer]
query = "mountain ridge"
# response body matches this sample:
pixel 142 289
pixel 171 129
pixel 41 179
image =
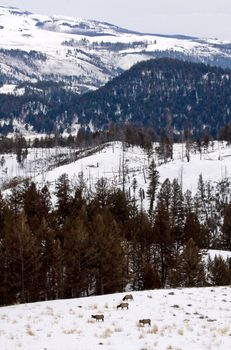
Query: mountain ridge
pixel 85 54
pixel 162 94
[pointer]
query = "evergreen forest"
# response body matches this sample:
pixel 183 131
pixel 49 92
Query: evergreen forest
pixel 96 241
pixel 162 94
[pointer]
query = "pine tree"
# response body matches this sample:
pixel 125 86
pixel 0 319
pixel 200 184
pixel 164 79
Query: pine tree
pixel 2 212
pixel 49 247
pixel 151 277
pixel 219 272
pixel 201 199
pixel 119 206
pixel 15 199
pixel 3 257
pixel 163 239
pixel 187 138
pixel 63 194
pixel 45 201
pixel 142 240
pixel 77 258
pixel 192 229
pixel 188 200
pixel 191 267
pixel 108 253
pixel 22 261
pixel 165 149
pixel 165 194
pixel 79 199
pixel 33 207
pixel 226 228
pixel 177 213
pixel 102 192
pixel 153 177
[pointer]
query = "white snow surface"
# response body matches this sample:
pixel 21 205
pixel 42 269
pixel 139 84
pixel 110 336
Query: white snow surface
pixel 7 88
pixel 225 254
pixel 11 89
pixel 192 319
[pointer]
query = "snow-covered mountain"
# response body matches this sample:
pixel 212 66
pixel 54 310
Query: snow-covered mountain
pixel 85 53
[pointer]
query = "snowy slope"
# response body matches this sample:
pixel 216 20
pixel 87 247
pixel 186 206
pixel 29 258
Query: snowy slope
pixel 86 53
pixel 196 318
pixel 214 165
pixel 108 163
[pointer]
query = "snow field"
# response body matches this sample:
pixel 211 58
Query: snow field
pixel 214 165
pixel 196 318
pixel 37 162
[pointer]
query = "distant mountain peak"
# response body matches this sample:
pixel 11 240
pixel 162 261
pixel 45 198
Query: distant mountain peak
pixel 85 54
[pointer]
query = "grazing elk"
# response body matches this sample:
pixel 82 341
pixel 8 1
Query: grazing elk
pixel 122 306
pixel 128 297
pixel 98 317
pixel 145 321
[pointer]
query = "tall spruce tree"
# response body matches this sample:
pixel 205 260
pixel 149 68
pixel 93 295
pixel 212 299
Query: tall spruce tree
pixel 2 212
pixel 33 207
pixel 46 204
pixel 63 194
pixel 102 192
pixel 78 253
pixel 108 253
pixel 45 238
pixel 177 214
pixel 165 194
pixel 15 199
pixel 219 271
pixel 200 204
pixel 192 228
pixel 163 239
pixel 22 257
pixel 153 177
pixel 226 228
pixel 188 201
pixel 191 266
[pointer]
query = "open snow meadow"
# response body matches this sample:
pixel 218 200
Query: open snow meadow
pixel 194 318
pixel 43 166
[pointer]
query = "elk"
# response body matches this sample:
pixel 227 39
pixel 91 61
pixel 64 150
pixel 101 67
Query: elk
pixel 145 321
pixel 128 297
pixel 98 317
pixel 122 306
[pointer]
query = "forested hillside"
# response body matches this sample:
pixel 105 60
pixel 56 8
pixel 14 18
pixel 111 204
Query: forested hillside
pixel 161 94
pixel 98 241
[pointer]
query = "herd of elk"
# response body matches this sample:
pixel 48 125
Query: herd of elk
pixel 124 306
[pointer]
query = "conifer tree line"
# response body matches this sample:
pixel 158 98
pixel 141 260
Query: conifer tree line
pixel 128 133
pixel 100 241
